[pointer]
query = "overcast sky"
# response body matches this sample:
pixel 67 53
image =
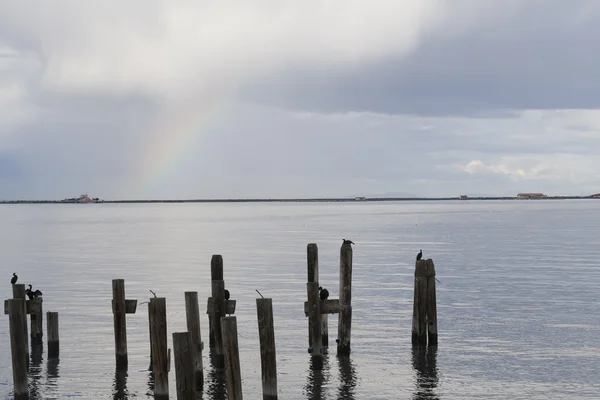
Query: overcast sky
pixel 212 99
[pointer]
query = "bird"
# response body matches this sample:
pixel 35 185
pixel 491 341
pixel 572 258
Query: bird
pixel 227 295
pixel 323 293
pixel 14 279
pixel 347 241
pixel 31 294
pixel 419 255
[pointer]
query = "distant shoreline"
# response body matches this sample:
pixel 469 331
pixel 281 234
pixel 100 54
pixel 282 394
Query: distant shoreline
pixel 307 200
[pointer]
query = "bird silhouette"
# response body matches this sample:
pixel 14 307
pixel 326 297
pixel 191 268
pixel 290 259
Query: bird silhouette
pixel 323 293
pixel 419 255
pixel 345 241
pixel 14 279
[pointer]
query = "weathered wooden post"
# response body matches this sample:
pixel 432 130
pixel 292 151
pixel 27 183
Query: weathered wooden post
pixel 35 315
pixel 312 259
pixel 19 293
pixel 216 274
pixel 121 307
pixel 266 333
pixel 424 322
pixel 232 358
pixel 160 354
pixel 184 366
pixel 52 326
pixel 314 314
pixel 345 313
pixel 18 347
pixel 150 324
pixel 192 315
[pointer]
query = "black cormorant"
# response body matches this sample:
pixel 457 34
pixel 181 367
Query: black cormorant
pixel 419 255
pixel 14 279
pixel 323 293
pixel 347 241
pixel 227 294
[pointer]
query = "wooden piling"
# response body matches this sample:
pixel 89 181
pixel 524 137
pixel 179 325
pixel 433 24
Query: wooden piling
pixel 232 358
pixel 192 314
pixel 18 347
pixel 150 324
pixel 119 318
pixel 266 334
pixel 314 314
pixel 419 321
pixel 36 319
pixel 432 332
pixel 184 366
pixel 216 274
pixel 312 263
pixel 160 356
pixel 19 293
pixel 53 341
pixel 325 331
pixel 345 315
pixel 218 290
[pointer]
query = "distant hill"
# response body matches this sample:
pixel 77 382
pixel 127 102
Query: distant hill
pixel 386 194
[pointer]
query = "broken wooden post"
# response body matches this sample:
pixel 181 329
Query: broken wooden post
pixel 424 322
pixel 314 314
pixel 121 307
pixel 192 314
pixel 53 342
pixel 216 274
pixel 184 366
pixel 231 358
pixel 345 315
pixel 36 319
pixel 18 347
pixel 266 334
pixel 160 354
pixel 19 293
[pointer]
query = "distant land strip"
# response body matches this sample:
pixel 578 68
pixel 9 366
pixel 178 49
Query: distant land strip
pixel 308 200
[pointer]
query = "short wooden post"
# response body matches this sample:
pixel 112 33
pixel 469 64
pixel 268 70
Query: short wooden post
pixel 192 314
pixel 232 358
pixel 419 321
pixel 160 356
pixel 216 274
pixel 18 347
pixel 312 263
pixel 325 331
pixel 314 314
pixel 52 326
pixel 19 293
pixel 345 315
pixel 184 366
pixel 119 319
pixel 432 331
pixel 36 319
pixel 266 334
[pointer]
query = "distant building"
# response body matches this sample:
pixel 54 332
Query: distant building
pixel 597 195
pixel 531 195
pixel 463 197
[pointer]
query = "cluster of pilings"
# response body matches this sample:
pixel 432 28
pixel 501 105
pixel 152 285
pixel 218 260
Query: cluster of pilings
pixel 17 310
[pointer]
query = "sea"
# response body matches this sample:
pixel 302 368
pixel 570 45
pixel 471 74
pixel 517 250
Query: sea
pixel 517 299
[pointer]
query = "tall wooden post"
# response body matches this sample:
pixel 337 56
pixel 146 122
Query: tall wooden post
pixel 192 314
pixel 345 315
pixel 432 331
pixel 218 289
pixel 424 324
pixel 216 274
pixel 184 366
pixel 266 334
pixel 160 356
pixel 312 262
pixel 19 293
pixel 232 358
pixel 36 318
pixel 150 324
pixel 119 316
pixel 18 347
pixel 53 341
pixel 314 314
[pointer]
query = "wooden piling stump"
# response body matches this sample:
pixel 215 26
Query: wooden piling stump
pixel 120 325
pixel 19 293
pixel 345 315
pixel 160 353
pixel 231 358
pixel 36 319
pixel 53 341
pixel 419 321
pixel 314 314
pixel 432 333
pixel 216 274
pixel 266 333
pixel 218 290
pixel 184 366
pixel 18 347
pixel 192 314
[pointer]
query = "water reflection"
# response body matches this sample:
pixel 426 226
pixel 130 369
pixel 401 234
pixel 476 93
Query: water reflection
pixel 35 370
pixel 120 385
pixel 216 388
pixel 51 390
pixel 347 378
pixel 318 376
pixel 424 364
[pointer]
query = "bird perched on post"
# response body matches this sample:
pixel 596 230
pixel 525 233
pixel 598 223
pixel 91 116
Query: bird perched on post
pixel 14 279
pixel 227 295
pixel 323 293
pixel 419 255
pixel 344 241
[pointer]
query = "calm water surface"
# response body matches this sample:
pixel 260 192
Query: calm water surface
pixel 517 303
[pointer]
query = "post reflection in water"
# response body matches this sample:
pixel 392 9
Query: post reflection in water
pixel 120 384
pixel 347 378
pixel 216 388
pixel 35 370
pixel 51 390
pixel 318 376
pixel 424 364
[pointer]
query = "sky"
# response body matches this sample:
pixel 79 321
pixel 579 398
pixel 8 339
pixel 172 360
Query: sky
pixel 152 99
